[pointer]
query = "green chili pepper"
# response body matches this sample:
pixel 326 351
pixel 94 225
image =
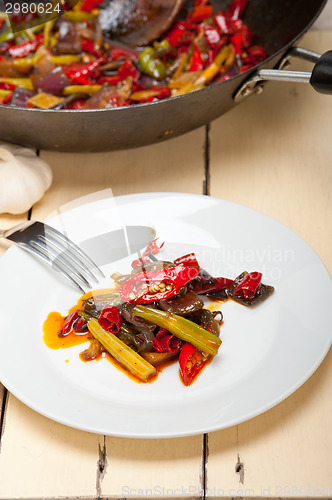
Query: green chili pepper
pixel 151 65
pixel 6 36
pixel 182 328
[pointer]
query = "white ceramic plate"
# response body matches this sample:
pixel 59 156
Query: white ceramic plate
pixel 267 352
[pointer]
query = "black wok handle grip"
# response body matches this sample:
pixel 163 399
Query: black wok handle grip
pixel 321 76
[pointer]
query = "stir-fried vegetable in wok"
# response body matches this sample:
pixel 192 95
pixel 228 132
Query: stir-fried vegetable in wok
pixel 71 63
pixel 157 313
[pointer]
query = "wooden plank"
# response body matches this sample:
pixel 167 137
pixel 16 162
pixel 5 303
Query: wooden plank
pixel 273 153
pixel 53 460
pixel 6 221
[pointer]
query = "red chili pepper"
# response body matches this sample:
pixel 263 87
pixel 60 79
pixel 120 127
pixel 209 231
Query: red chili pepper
pixel 68 325
pixel 237 42
pixel 166 342
pixel 196 62
pixel 118 53
pixel 7 98
pixel 246 35
pixel 199 13
pixel 79 73
pixel 204 283
pixel 212 36
pixel 182 33
pixel 187 260
pixel 236 8
pixel 127 69
pixel 248 285
pixel 148 287
pixel 7 86
pixel 163 91
pixel 89 5
pixel 26 48
pixel 223 22
pixel 151 248
pixel 4 48
pixel 89 47
pixel 110 319
pixel 256 54
pixel 78 104
pixel 191 362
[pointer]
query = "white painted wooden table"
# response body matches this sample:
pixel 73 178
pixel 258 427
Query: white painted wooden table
pixel 273 153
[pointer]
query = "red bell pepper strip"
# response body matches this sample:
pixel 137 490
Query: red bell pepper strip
pixel 110 319
pixel 191 362
pixel 152 286
pixel 26 48
pixel 196 61
pixel 187 260
pixel 236 8
pixel 166 342
pixel 248 285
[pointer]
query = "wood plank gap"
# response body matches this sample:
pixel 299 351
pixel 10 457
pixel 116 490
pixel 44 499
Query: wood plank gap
pixel 205 461
pixel 206 181
pixel 101 468
pixel 239 465
pixel 206 192
pixel 3 404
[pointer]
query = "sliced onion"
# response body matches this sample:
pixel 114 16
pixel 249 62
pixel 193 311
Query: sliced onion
pixel 21 97
pixel 52 83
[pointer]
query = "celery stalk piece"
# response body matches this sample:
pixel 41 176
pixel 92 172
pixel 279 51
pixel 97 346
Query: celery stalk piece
pixel 121 352
pixel 182 328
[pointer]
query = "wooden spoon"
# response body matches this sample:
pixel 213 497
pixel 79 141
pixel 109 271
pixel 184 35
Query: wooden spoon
pixel 138 22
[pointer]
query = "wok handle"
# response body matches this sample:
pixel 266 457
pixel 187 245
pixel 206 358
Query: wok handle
pixel 320 78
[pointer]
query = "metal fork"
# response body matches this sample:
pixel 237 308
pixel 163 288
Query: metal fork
pixel 54 248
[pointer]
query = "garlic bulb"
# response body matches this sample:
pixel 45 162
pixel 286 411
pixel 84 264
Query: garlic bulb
pixel 24 178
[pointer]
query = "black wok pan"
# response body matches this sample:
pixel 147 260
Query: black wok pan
pixel 276 24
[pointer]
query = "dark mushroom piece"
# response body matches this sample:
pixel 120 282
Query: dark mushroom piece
pixel 138 22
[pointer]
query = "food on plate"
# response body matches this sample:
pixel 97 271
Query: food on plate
pixel 72 63
pixel 155 315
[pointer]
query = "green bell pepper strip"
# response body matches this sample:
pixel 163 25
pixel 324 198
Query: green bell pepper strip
pixel 181 327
